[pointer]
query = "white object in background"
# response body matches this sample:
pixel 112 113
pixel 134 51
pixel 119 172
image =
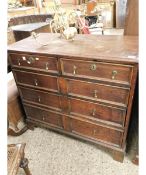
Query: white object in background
pixel 39 5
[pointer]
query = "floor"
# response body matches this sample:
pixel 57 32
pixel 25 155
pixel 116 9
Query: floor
pixel 50 153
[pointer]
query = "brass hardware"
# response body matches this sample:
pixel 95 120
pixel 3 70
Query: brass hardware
pixel 95 93
pixel 43 118
pixel 30 60
pixel 39 98
pixel 94 131
pixel 114 73
pixel 47 66
pixel 36 82
pixel 19 62
pixel 93 67
pixel 74 70
pixel 24 58
pixel 93 112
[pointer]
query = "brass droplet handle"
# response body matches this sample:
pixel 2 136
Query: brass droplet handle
pixel 95 93
pixel 93 67
pixel 30 60
pixel 114 73
pixel 93 112
pixel 39 98
pixel 94 131
pixel 36 82
pixel 47 64
pixel 18 62
pixel 43 118
pixel 74 70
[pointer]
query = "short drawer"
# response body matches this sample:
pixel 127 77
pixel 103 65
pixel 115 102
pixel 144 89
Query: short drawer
pixel 41 98
pixel 96 132
pixel 98 92
pixel 42 63
pixel 38 81
pixel 97 70
pixel 97 111
pixel 46 116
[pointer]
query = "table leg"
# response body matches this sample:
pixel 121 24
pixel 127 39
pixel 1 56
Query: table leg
pixel 24 165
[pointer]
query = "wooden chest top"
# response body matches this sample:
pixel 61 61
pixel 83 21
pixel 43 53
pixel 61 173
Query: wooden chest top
pixel 112 48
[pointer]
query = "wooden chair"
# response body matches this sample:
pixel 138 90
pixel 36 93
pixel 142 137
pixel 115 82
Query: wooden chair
pixel 16 125
pixel 16 159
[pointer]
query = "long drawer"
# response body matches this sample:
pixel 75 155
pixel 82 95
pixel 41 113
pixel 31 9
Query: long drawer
pixel 41 98
pixel 42 115
pixel 35 80
pixel 43 63
pixel 96 111
pixel 97 70
pixel 98 92
pixel 96 132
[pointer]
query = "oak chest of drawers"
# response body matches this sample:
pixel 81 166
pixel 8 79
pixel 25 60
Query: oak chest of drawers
pixel 82 88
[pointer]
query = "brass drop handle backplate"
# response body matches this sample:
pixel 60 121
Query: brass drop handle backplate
pixel 94 131
pixel 36 82
pixel 39 98
pixel 18 62
pixel 114 73
pixel 47 64
pixel 93 67
pixel 30 60
pixel 93 112
pixel 95 93
pixel 74 70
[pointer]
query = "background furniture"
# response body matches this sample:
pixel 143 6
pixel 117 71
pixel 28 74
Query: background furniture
pixel 131 21
pixel 120 13
pixel 21 11
pixel 23 26
pixel 131 28
pixel 84 90
pixel 15 110
pixel 27 2
pixel 16 159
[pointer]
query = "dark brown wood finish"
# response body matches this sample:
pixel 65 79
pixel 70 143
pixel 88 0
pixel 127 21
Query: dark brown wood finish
pixel 42 115
pixel 98 92
pixel 97 71
pixel 47 64
pixel 91 92
pixel 95 110
pixel 41 98
pixel 37 81
pixel 96 132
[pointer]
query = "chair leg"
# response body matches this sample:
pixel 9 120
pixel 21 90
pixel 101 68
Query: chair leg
pixel 24 165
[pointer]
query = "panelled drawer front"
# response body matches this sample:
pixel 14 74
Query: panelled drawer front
pixel 97 70
pixel 43 63
pixel 36 80
pixel 97 132
pixel 98 91
pixel 41 98
pixel 44 116
pixel 97 111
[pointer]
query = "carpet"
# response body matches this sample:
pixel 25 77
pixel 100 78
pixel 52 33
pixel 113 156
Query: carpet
pixel 50 153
